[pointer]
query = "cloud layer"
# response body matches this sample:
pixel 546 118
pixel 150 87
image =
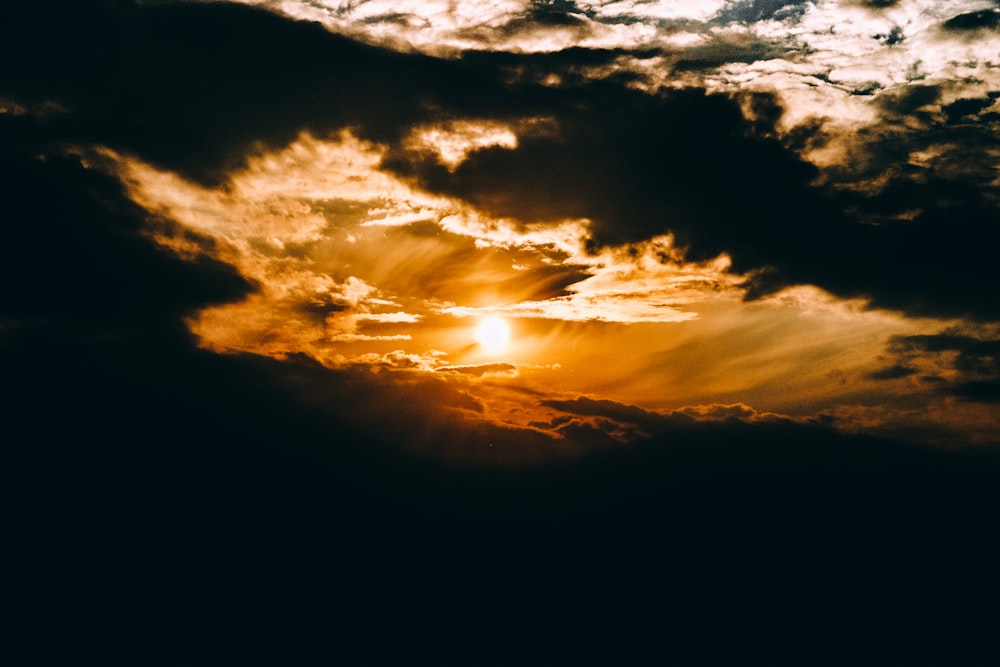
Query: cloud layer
pixel 379 198
pixel 744 250
pixel 723 172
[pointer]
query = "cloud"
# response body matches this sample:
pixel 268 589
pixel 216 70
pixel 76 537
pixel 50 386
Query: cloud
pixel 559 186
pixel 752 11
pixel 621 178
pixel 78 255
pixel 397 359
pixel 453 142
pixel 727 435
pixel 892 372
pixel 623 184
pixel 878 4
pixel 481 369
pixel 634 165
pixel 616 417
pixel 980 391
pixel 548 25
pixel 986 18
pixel 512 25
pixel 955 363
pixel 209 115
pixel 725 50
pixel 719 412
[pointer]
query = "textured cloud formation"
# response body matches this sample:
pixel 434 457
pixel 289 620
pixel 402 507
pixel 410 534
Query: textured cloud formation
pixel 957 364
pixel 559 187
pixel 743 249
pixel 311 225
pixel 650 170
pixel 379 207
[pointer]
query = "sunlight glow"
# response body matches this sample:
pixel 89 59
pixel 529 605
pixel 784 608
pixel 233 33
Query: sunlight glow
pixel 493 334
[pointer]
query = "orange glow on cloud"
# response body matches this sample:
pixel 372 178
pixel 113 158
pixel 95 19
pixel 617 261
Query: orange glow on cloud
pixel 454 142
pixel 356 267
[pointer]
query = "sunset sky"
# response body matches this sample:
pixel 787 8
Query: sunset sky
pixel 507 258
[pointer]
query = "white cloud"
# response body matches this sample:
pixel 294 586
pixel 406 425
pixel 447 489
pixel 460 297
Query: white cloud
pixel 837 56
pixel 454 141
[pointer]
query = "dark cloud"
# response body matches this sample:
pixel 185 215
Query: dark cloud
pixel 967 346
pixel 210 114
pixel 76 254
pixel 915 121
pixel 390 17
pixel 552 424
pixel 752 11
pixel 636 164
pixel 196 73
pixel 726 433
pixel 878 4
pixel 946 233
pixel 527 78
pixel 639 165
pixel 969 107
pixel 911 102
pixel 972 363
pixel 557 13
pixel 722 50
pixel 891 38
pixel 892 372
pixel 866 88
pixel 980 391
pixel 987 18
pixel 617 412
pixel 541 15
pixel 937 214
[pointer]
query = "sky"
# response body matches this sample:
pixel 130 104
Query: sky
pixel 411 262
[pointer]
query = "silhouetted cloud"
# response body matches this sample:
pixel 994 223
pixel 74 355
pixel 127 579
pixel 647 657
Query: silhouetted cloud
pixel 752 11
pixel 878 4
pixel 635 164
pixel 892 372
pixel 77 251
pixel 985 18
pixel 955 363
pixel 638 166
pixel 210 110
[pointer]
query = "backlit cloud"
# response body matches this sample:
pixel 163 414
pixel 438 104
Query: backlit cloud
pixel 681 207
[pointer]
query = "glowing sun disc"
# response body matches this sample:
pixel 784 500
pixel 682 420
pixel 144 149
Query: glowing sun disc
pixel 493 334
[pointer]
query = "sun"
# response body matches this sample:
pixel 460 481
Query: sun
pixel 493 334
